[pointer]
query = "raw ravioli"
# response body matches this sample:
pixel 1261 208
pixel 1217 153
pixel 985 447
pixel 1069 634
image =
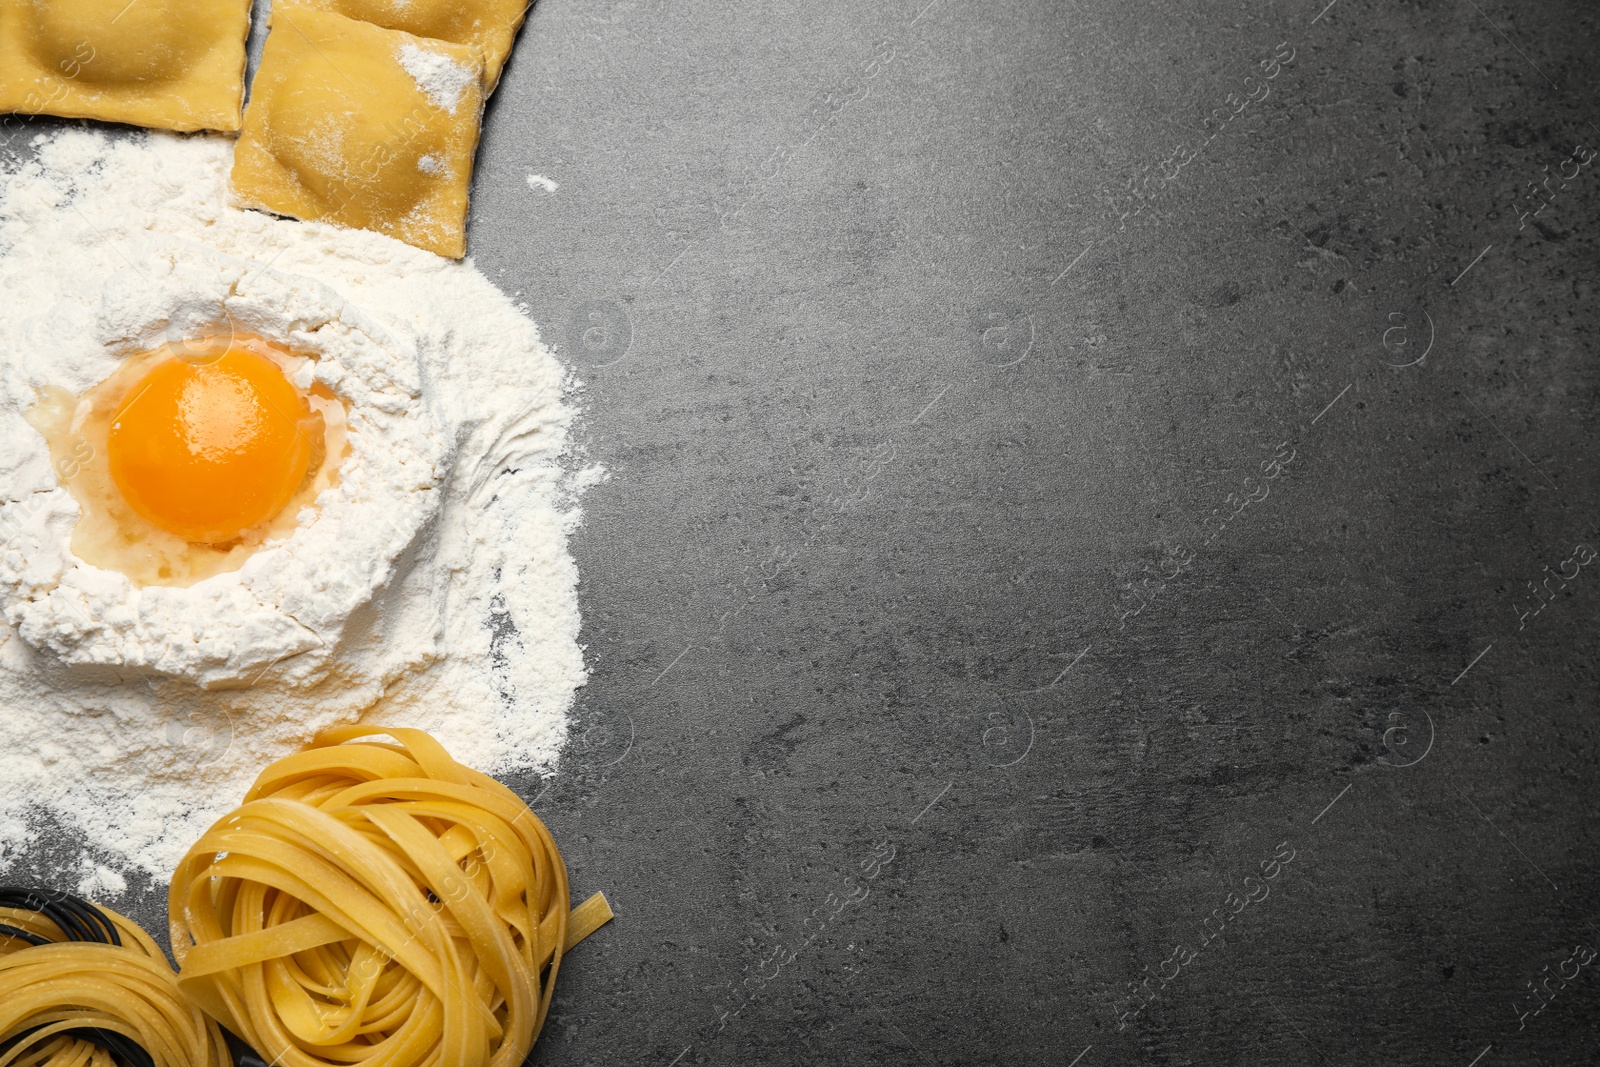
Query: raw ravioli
pixel 362 126
pixel 168 64
pixel 490 24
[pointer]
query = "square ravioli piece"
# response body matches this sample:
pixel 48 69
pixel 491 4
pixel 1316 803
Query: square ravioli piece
pixel 490 24
pixel 167 64
pixel 362 126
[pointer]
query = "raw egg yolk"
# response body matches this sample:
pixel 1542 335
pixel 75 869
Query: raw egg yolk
pixel 207 449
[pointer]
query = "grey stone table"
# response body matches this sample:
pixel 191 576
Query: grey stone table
pixel 1090 570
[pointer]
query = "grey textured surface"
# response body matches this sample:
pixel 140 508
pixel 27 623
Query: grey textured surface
pixel 1002 572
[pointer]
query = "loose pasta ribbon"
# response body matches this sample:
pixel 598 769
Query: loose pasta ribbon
pixel 376 902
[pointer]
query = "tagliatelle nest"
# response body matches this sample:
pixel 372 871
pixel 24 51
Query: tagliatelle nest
pixel 82 986
pixel 377 903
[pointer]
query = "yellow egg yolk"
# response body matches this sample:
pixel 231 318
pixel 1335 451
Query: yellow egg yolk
pixel 207 449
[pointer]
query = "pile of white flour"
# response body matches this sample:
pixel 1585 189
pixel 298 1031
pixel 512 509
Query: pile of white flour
pixel 432 588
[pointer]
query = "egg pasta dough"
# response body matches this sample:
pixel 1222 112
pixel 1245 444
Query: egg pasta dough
pixel 85 987
pixel 377 902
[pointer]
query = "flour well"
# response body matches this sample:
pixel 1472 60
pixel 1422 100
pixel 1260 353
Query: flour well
pixel 430 588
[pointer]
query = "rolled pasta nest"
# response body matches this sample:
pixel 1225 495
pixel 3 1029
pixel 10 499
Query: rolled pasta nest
pixel 82 986
pixel 376 902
